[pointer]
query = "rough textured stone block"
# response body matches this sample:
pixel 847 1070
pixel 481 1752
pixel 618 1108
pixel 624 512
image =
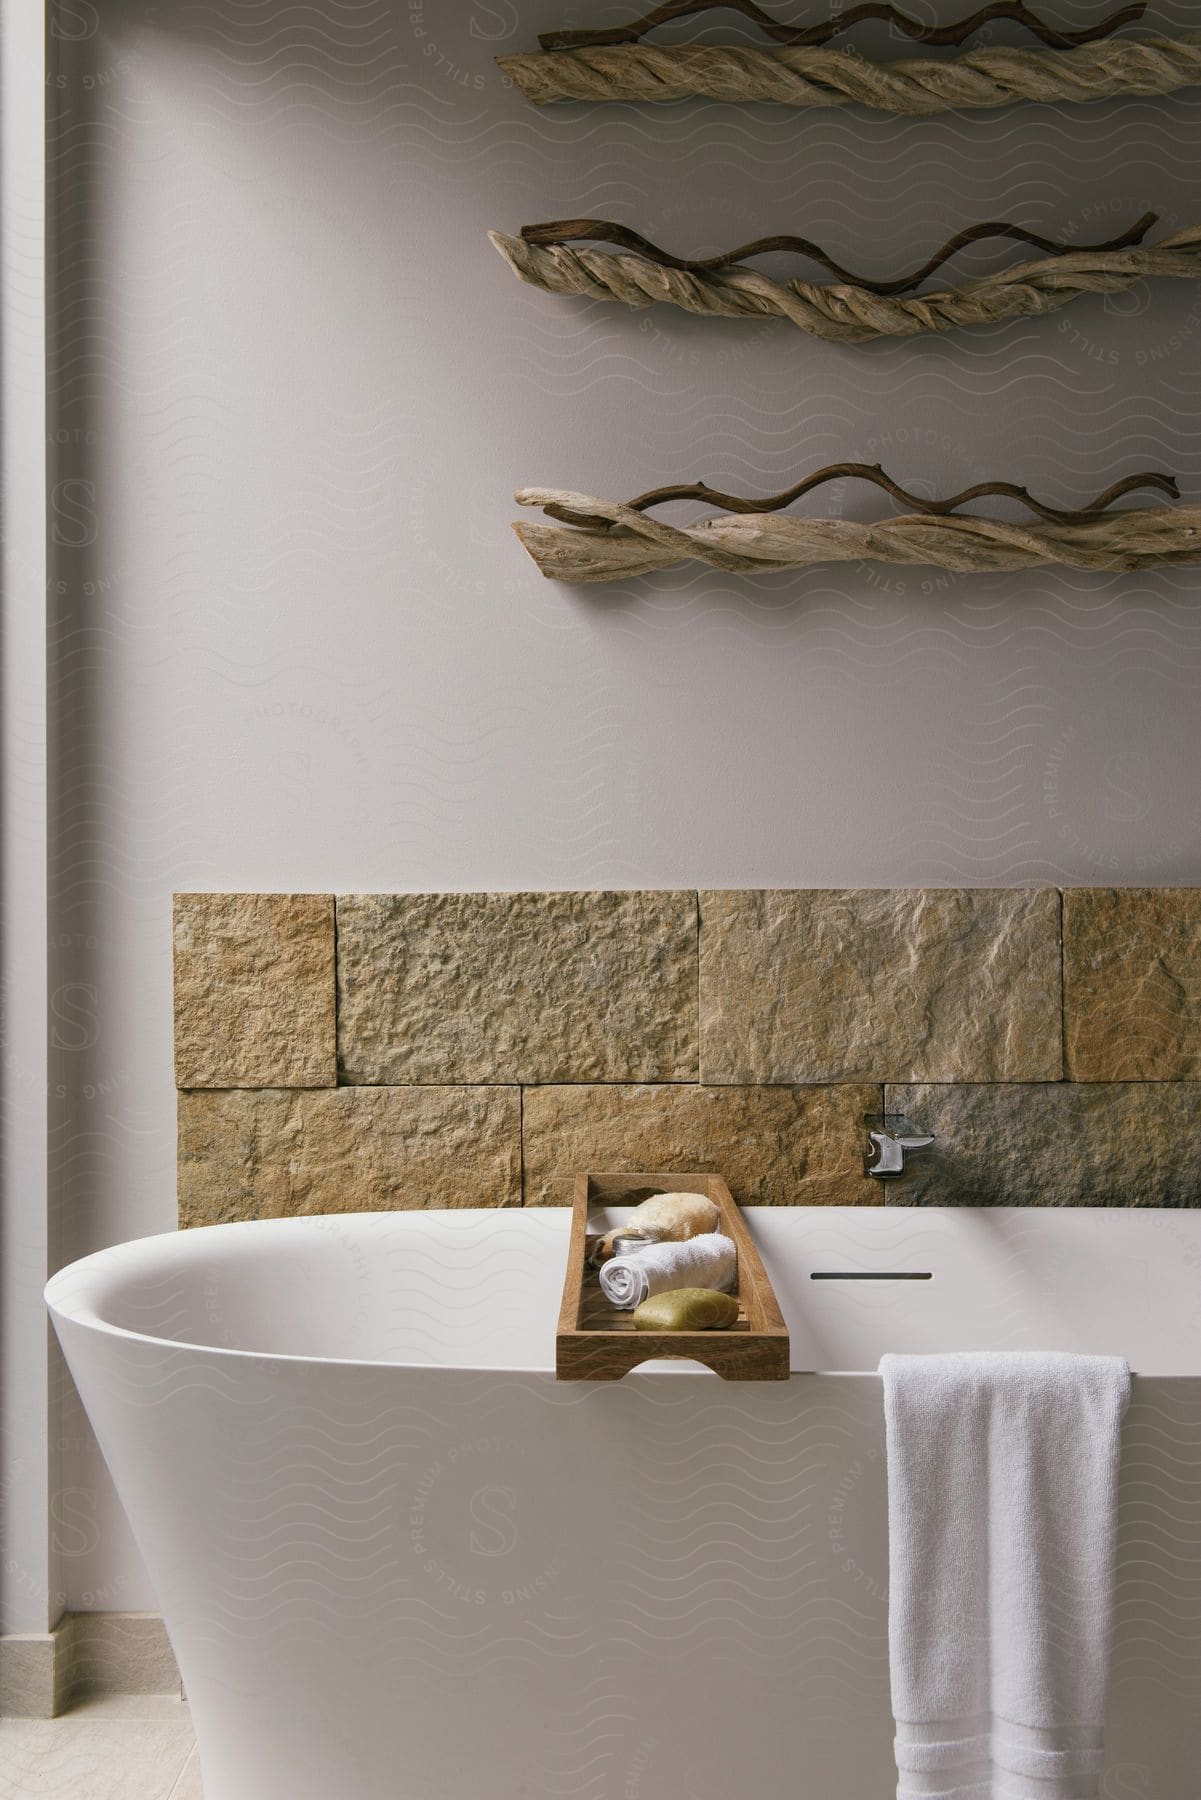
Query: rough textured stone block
pixel 517 987
pixel 930 984
pixel 269 1154
pixel 1132 983
pixel 254 990
pixel 775 1146
pixel 1059 1144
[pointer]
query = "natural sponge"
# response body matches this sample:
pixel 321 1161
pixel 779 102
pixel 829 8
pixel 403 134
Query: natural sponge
pixel 675 1217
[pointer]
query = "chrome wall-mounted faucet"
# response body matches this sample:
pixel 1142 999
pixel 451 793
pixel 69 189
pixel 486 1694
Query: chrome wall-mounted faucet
pixel 890 1137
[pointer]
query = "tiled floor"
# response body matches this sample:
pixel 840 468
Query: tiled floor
pixel 124 1748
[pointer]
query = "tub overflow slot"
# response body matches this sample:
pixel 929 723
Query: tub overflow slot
pixel 871 1275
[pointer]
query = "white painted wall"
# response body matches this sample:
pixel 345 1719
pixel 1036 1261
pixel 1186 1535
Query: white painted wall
pixel 295 644
pixel 27 1603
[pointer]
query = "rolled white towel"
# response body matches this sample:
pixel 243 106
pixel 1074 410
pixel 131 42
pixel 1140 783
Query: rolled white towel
pixel 708 1261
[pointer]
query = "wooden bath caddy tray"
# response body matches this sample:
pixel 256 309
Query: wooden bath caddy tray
pixel 595 1342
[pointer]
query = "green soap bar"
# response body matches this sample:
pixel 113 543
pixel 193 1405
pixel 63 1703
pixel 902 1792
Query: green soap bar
pixel 686 1309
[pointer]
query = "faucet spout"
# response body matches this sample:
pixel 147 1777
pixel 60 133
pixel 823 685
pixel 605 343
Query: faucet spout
pixel 890 1138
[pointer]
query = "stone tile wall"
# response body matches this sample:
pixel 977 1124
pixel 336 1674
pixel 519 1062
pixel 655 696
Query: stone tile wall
pixel 377 1051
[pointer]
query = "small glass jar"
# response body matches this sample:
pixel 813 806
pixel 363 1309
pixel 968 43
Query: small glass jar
pixel 628 1239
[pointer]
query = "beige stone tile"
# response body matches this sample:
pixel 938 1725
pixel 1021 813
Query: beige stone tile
pixel 152 1707
pixel 265 1153
pixel 84 1758
pixel 932 984
pixel 1132 983
pixel 517 987
pixel 1054 1144
pixel 29 1683
pixel 121 1653
pixel 254 990
pixel 189 1785
pixel 775 1146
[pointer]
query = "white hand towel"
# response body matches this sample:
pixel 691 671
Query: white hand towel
pixel 1002 1483
pixel 708 1261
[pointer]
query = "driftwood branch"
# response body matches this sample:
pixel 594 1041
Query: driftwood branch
pixel 632 543
pixel 846 313
pixel 606 231
pixel 878 477
pixel 820 77
pixel 1013 12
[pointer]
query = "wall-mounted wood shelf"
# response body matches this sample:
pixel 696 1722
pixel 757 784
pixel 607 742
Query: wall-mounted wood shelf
pixel 595 1342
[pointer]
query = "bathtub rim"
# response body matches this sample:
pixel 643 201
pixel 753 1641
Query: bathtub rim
pixel 85 1273
pixel 71 1297
pixel 82 1309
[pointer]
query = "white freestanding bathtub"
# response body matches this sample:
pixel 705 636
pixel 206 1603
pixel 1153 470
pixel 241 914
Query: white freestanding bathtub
pixel 399 1561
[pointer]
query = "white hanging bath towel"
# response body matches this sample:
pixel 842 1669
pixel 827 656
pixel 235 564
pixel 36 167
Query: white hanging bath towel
pixel 1002 1503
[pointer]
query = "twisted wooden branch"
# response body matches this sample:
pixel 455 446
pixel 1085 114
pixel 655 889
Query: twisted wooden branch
pixel 843 313
pixel 878 477
pixel 571 231
pixel 751 545
pixel 819 77
pixel 1012 12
